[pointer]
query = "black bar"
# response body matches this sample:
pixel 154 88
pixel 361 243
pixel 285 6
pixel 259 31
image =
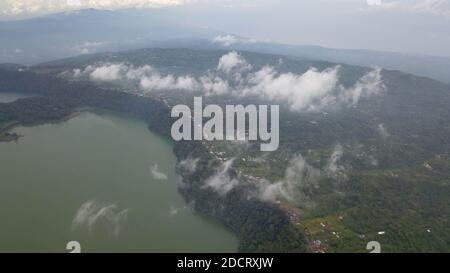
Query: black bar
pixel 224 262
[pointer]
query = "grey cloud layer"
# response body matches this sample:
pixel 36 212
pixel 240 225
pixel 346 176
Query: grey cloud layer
pixel 20 7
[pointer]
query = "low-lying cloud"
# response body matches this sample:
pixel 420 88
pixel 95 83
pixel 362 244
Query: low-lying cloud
pixel 107 73
pixel 233 62
pixel 313 90
pixel 188 165
pixel 297 186
pixel 225 40
pixel 91 214
pixel 156 173
pixel 432 7
pixel 158 82
pixel 88 47
pixel 333 168
pixel 149 79
pixel 229 40
pixel 300 178
pixel 301 92
pixel 381 129
pixel 222 181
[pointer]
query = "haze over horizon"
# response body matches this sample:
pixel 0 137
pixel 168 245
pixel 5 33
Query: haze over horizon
pixel 418 26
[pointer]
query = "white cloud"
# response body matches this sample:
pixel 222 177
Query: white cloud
pixel 214 86
pixel 221 181
pixel 88 47
pixel 313 90
pixel 382 130
pixel 301 92
pixel 148 78
pixel 229 40
pixel 77 73
pixel 173 211
pixel 111 72
pixel 156 173
pixel 169 82
pixel 369 85
pixel 299 179
pixel 92 212
pixel 23 7
pixel 233 61
pixel 188 165
pixel 333 168
pixel 133 73
pixel 225 40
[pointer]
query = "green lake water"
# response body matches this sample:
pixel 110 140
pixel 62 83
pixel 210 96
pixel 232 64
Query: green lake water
pixel 101 179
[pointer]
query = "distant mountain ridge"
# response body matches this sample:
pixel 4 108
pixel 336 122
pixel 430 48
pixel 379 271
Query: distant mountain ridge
pixel 423 65
pixel 89 31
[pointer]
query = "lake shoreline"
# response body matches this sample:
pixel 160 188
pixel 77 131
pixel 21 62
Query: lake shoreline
pixel 126 187
pixel 60 99
pixel 7 136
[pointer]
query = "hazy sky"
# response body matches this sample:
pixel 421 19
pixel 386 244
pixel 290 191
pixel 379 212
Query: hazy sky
pixel 417 26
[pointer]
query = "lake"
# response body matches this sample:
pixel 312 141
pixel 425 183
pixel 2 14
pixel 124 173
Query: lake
pixel 101 179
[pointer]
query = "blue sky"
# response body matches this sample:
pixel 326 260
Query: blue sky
pixel 410 26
